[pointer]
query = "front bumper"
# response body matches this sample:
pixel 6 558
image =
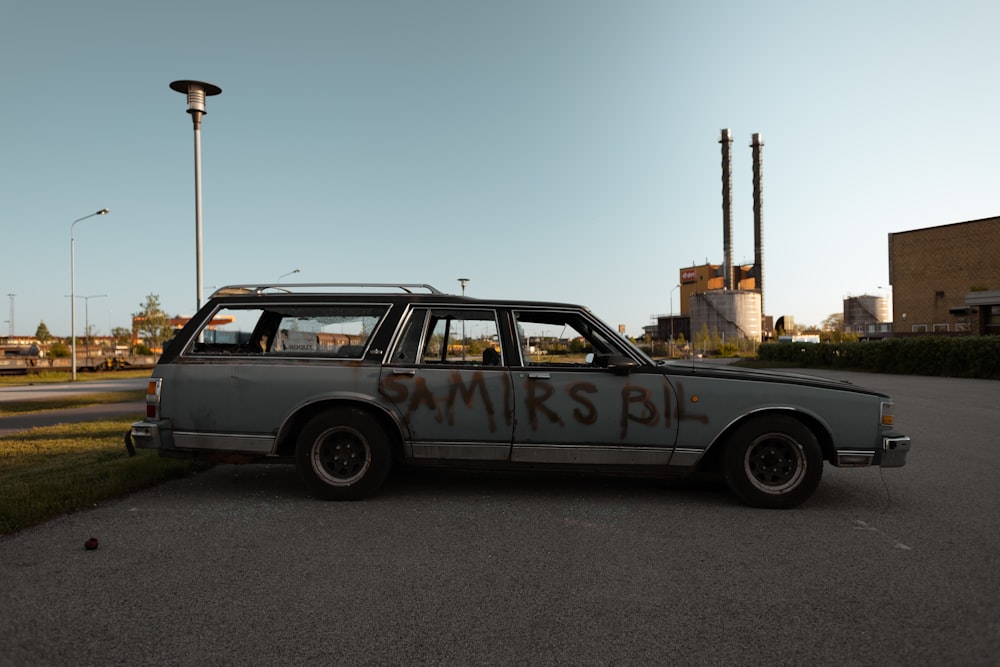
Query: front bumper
pixel 895 447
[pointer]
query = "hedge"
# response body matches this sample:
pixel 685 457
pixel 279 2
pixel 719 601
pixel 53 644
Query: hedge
pixel 959 356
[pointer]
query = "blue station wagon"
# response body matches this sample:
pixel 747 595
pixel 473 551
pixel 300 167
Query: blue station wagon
pixel 348 380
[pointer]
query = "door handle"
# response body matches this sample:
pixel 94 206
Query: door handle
pixel 404 371
pixel 539 376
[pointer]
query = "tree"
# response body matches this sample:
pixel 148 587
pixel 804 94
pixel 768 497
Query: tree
pixel 152 323
pixel 122 336
pixel 42 334
pixel 834 322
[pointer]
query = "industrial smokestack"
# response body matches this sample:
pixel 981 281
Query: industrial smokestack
pixel 758 213
pixel 727 208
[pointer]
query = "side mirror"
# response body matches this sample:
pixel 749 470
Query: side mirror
pixel 620 364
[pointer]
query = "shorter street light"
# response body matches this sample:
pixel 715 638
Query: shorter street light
pixel 464 282
pixel 86 320
pixel 72 288
pixel 675 287
pixel 285 275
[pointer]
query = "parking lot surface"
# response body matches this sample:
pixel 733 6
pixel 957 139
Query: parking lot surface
pixel 237 564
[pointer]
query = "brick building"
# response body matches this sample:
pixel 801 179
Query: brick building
pixel 946 279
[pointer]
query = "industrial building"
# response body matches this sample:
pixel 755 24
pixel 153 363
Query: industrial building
pixel 946 279
pixel 726 298
pixel 867 315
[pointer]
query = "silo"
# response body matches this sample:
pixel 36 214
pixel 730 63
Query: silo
pixel 732 315
pixel 861 312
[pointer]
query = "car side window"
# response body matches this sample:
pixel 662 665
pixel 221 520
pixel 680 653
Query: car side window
pixel 436 336
pixel 334 330
pixel 560 338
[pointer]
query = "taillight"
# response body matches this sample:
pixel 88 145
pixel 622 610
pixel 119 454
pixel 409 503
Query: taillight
pixel 153 398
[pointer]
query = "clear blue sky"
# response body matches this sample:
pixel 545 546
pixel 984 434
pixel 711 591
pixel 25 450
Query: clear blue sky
pixel 561 150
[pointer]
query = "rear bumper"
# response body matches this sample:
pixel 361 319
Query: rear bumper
pixel 152 434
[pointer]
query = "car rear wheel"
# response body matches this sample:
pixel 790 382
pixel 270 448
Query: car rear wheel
pixel 343 454
pixel 773 462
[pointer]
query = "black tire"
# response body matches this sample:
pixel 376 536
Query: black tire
pixel 343 454
pixel 773 462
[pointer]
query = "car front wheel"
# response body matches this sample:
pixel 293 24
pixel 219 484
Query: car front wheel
pixel 773 462
pixel 343 454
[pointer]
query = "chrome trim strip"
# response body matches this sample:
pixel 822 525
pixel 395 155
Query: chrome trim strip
pixel 855 452
pixel 590 454
pixel 229 442
pixel 465 451
pixel 686 457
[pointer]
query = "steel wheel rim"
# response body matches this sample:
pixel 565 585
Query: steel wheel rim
pixel 341 456
pixel 775 463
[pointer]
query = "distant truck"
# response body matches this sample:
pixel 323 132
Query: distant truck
pixel 803 338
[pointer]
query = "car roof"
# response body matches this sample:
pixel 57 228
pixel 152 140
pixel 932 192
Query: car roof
pixel 401 292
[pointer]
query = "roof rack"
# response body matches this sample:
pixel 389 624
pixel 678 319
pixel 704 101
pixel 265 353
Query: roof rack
pixel 322 288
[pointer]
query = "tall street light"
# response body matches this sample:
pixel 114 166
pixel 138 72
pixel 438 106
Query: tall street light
pixel 285 275
pixel 72 287
pixel 196 92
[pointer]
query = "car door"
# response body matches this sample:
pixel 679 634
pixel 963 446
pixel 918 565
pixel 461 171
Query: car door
pixel 251 366
pixel 580 398
pixel 447 379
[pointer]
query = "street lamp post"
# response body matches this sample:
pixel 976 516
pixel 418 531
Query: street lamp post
pixel 196 92
pixel 11 320
pixel 72 289
pixel 285 275
pixel 464 282
pixel 672 319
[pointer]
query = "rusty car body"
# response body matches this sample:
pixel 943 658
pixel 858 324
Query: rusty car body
pixel 350 379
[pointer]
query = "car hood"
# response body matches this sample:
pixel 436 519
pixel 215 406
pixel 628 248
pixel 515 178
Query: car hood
pixel 724 371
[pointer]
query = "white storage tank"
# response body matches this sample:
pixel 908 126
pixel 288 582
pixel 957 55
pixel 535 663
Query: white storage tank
pixel 732 314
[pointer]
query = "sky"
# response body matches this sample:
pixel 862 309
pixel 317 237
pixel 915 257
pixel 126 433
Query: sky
pixel 561 150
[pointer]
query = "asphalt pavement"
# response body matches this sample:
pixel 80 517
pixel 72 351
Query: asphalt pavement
pixel 239 565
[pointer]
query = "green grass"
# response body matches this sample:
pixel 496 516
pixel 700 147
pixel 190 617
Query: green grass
pixel 78 401
pixel 46 472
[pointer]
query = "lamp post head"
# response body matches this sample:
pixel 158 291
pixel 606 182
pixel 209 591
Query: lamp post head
pixel 196 92
pixel 103 211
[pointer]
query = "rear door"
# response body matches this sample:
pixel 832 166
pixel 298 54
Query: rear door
pixel 236 382
pixel 448 381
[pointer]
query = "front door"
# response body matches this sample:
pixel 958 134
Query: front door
pixel 571 408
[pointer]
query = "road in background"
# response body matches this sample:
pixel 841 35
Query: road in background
pixel 238 565
pixel 40 392
pixel 43 391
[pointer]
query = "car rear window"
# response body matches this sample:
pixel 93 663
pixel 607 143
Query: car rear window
pixel 325 330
